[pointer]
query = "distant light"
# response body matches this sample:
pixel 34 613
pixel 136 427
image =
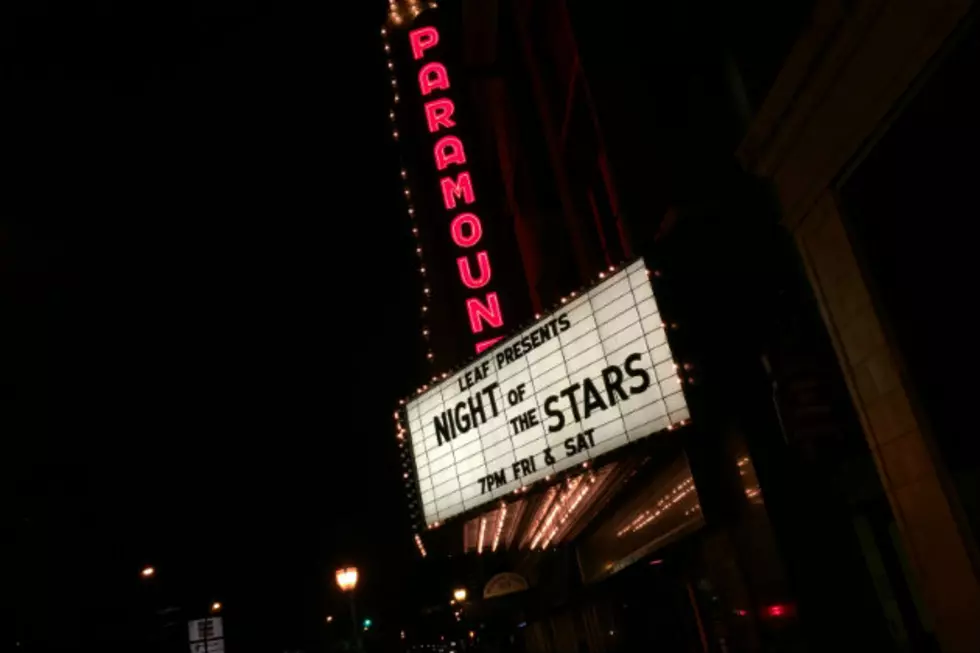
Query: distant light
pixel 148 572
pixel 367 623
pixel 656 562
pixel 347 578
pixel 460 594
pixel 329 618
pixel 776 610
pixel 216 606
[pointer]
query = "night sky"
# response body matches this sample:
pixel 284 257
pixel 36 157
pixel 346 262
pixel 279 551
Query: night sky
pixel 208 314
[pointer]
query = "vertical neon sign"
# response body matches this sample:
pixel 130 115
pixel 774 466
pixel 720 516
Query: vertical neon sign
pixel 482 304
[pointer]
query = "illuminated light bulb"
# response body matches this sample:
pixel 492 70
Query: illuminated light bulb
pixel 418 250
pixel 422 270
pixel 537 316
pixel 425 332
pixel 563 300
pixel 573 293
pixel 612 268
pixel 387 48
pixel 602 275
pixel 396 98
pixel 405 474
pixel 479 545
pixel 384 32
pixel 411 211
pixel 391 65
pixel 404 172
pixel 415 231
pixel 425 308
pixel 394 134
pixel 391 114
pixel 394 83
pixel 426 291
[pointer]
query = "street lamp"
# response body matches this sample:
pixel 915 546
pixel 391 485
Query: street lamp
pixel 347 581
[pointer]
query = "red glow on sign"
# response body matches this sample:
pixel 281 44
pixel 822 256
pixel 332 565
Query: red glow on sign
pixel 465 229
pixel 433 76
pixel 466 273
pixel 487 344
pixel 439 113
pixel 480 313
pixel 461 188
pixel 422 39
pixel 472 224
pixel 777 610
pixel 449 151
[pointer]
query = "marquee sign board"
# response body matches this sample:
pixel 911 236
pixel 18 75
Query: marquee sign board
pixel 591 377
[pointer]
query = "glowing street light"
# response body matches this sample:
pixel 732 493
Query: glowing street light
pixel 347 579
pixel 148 572
pixel 216 607
pixel 459 594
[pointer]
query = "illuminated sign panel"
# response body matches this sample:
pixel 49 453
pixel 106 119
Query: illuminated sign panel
pixel 465 228
pixel 455 195
pixel 578 383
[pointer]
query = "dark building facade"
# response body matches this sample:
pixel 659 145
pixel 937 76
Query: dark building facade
pixel 754 154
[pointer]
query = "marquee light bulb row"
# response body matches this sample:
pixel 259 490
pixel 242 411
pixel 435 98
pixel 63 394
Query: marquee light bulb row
pixel 397 17
pixel 400 13
pixel 421 547
pixel 665 503
pixel 500 526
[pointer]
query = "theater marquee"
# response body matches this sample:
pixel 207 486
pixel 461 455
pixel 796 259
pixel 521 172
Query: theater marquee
pixel 585 380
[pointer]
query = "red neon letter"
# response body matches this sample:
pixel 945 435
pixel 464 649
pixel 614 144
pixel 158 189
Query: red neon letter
pixel 462 187
pixel 490 313
pixel 449 150
pixel 466 274
pixel 475 228
pixel 432 76
pixel 487 344
pixel 422 39
pixel 439 113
